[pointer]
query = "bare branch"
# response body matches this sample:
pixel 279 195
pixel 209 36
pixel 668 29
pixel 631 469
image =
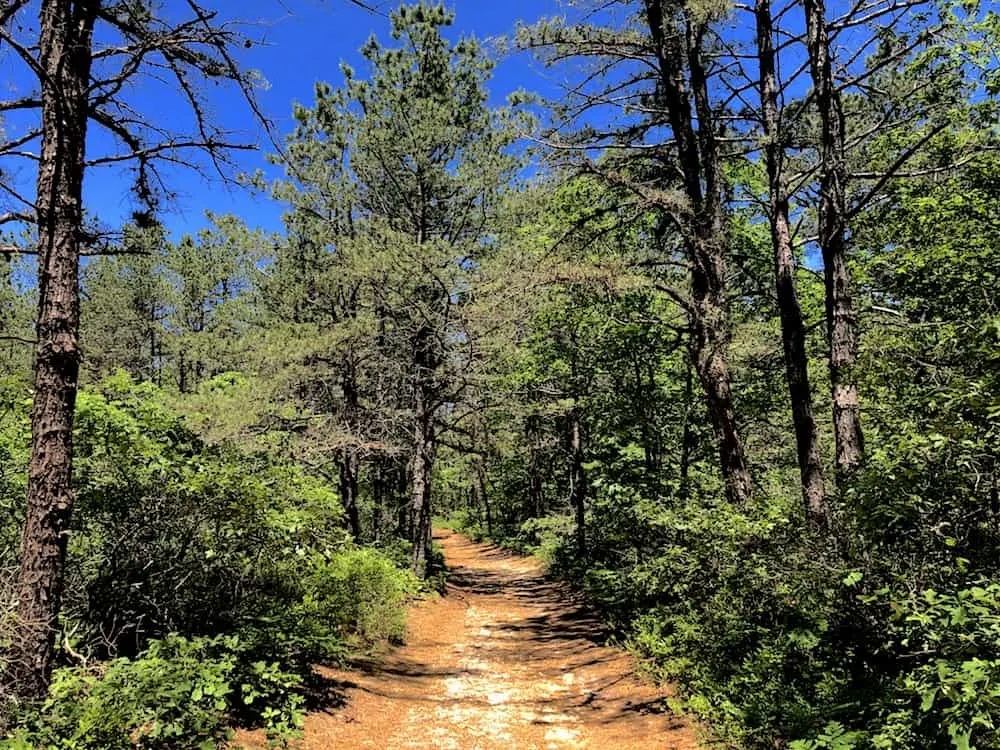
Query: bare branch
pixel 12 216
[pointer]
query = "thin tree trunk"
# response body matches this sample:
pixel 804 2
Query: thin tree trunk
pixel 404 500
pixel 424 367
pixel 578 480
pixel 378 499
pixel 644 407
pixel 793 330
pixel 349 465
pixel 349 459
pixel 182 368
pixel 842 334
pixel 687 434
pixel 535 500
pixel 484 494
pixel 65 57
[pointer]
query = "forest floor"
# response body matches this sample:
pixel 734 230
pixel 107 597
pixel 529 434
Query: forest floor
pixel 506 659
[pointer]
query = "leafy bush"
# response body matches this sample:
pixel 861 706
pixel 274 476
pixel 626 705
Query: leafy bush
pixel 951 694
pixel 780 641
pixel 543 537
pixel 172 535
pixel 363 594
pixel 203 584
pixel 179 693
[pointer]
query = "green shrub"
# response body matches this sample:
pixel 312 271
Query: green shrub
pixel 180 693
pixel 543 537
pixel 778 640
pixel 157 507
pixel 175 542
pixel 361 594
pixel 950 695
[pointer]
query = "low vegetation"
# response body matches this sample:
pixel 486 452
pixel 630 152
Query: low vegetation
pixel 204 584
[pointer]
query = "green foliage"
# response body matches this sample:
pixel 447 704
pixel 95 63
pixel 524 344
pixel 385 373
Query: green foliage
pixel 363 594
pixel 203 583
pixel 178 694
pixel 772 638
pixel 529 346
pixel 157 506
pixel 952 691
pixel 169 313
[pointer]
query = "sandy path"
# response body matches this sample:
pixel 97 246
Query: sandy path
pixel 505 660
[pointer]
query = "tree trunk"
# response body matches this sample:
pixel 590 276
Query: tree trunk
pixel 403 500
pixel 65 58
pixel 687 434
pixel 420 489
pixel 684 86
pixel 532 431
pixel 485 495
pixel 182 368
pixel 378 499
pixel 708 342
pixel 842 334
pixel 349 459
pixel 349 466
pixel 793 330
pixel 578 480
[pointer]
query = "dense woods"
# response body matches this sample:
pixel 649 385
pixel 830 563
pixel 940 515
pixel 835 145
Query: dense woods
pixel 713 330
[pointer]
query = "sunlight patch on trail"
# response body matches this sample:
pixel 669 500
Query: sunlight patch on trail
pixel 488 699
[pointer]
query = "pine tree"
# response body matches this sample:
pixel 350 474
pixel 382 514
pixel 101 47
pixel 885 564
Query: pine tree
pixel 80 86
pixel 403 215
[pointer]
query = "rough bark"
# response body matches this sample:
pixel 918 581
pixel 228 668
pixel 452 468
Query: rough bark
pixel 842 333
pixel 708 342
pixel 684 90
pixel 422 466
pixel 793 329
pixel 65 56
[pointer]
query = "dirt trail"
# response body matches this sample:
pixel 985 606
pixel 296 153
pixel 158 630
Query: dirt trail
pixel 505 660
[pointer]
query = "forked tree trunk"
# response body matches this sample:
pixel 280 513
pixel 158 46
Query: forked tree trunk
pixel 65 57
pixel 793 330
pixel 679 43
pixel 842 333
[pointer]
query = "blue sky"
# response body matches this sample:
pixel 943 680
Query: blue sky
pixel 304 41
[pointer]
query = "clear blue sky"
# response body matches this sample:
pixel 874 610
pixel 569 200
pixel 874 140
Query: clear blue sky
pixel 304 41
